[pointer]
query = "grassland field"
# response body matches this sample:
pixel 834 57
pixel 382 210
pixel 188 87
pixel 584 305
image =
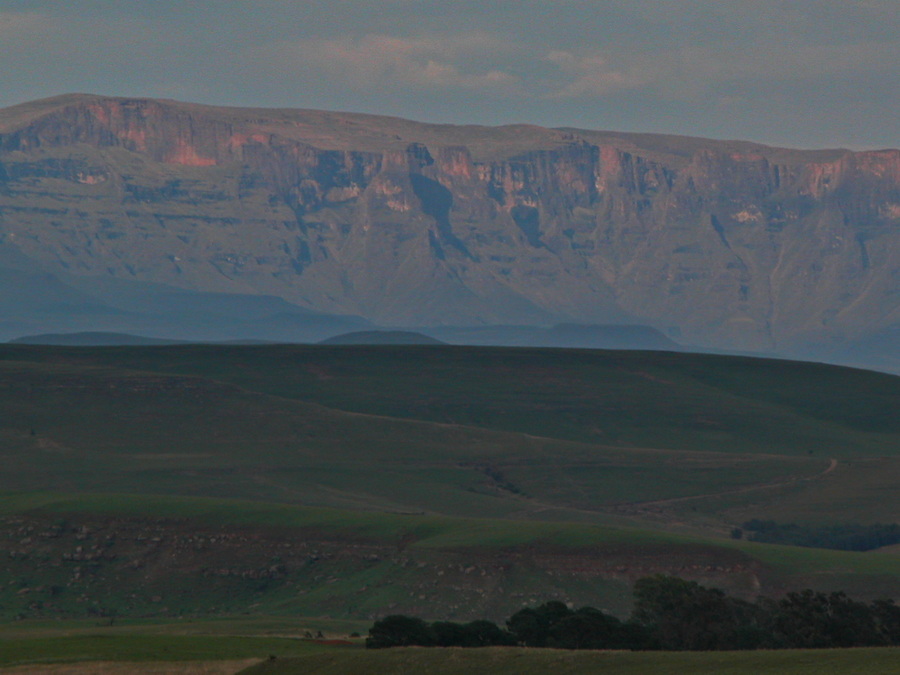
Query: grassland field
pixel 169 655
pixel 512 661
pixel 461 431
pixel 212 484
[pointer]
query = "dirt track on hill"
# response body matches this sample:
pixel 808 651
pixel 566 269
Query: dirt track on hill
pixel 637 507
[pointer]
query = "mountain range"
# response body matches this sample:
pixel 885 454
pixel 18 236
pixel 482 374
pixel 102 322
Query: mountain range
pixel 197 222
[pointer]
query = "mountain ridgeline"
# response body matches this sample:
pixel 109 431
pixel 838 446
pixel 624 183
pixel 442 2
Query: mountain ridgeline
pixel 720 244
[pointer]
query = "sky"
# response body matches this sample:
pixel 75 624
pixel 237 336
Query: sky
pixel 810 74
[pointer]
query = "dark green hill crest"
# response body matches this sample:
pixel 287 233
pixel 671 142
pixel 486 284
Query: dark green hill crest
pixel 381 337
pixel 92 339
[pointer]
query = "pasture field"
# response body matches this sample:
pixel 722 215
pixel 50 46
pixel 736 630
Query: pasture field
pixel 208 647
pixel 233 646
pixel 140 668
pixel 511 433
pixel 637 399
pixel 147 648
pixel 103 429
pixel 513 661
pixel 201 482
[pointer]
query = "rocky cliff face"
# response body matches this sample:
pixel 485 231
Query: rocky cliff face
pixel 723 244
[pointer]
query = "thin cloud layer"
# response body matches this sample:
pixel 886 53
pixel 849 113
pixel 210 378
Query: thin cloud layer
pixel 426 62
pixel 585 75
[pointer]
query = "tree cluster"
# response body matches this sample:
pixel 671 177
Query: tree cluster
pixel 669 614
pixel 846 537
pixel 403 631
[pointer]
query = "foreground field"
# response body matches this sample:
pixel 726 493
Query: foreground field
pixel 512 661
pixel 137 648
pixel 119 668
pixel 125 650
pixel 147 651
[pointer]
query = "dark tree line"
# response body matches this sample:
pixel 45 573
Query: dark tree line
pixel 404 631
pixel 846 537
pixel 670 614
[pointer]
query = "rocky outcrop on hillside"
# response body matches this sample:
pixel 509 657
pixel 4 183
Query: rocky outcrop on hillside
pixel 138 567
pixel 722 244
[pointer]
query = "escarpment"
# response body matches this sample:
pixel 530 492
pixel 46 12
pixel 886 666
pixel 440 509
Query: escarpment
pixel 722 244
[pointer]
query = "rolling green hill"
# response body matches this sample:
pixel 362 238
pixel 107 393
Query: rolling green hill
pixel 446 481
pixel 565 428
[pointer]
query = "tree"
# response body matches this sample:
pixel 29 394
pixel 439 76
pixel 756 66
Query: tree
pixel 887 618
pixel 587 628
pixel 815 620
pixel 449 634
pixel 483 633
pixel 398 630
pixel 532 626
pixel 683 615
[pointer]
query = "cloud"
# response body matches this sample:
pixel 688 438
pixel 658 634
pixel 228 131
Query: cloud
pixel 499 65
pixel 589 75
pixel 691 70
pixel 425 62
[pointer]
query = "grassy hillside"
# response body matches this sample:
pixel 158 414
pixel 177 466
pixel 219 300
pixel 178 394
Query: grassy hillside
pixel 70 426
pixel 461 431
pixel 108 556
pixel 650 399
pixel 448 482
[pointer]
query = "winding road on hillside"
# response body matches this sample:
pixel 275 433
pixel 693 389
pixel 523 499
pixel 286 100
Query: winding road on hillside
pixel 643 506
pixel 656 506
